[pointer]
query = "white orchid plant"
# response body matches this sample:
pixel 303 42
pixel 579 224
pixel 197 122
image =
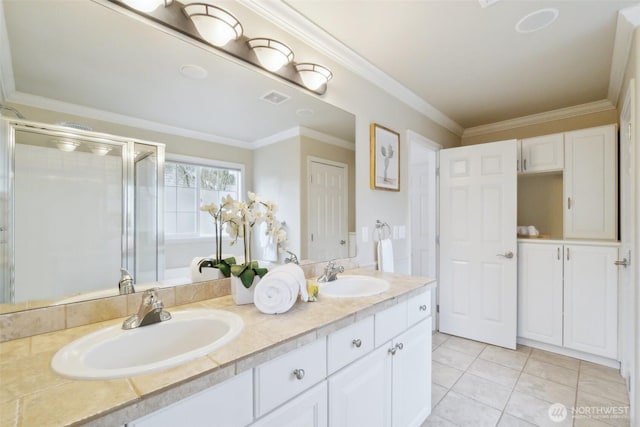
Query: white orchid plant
pixel 238 219
pixel 221 215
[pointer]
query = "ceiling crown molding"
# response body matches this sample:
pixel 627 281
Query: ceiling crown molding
pixel 534 119
pixel 290 20
pixel 628 21
pixel 93 113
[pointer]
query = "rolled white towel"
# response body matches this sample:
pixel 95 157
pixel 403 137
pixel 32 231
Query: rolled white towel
pixel 278 290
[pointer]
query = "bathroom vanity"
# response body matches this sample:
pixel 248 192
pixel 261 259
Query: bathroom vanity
pixel 336 361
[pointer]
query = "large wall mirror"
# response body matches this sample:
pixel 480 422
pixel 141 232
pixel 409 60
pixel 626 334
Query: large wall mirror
pixel 96 61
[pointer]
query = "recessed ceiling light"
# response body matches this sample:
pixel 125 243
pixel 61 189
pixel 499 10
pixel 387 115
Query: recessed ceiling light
pixel 487 3
pixel 305 112
pixel 194 72
pixel 537 20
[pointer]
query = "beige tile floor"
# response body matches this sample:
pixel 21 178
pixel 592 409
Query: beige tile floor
pixel 476 384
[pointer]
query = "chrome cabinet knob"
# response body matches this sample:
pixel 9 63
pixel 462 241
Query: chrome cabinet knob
pixel 357 342
pixel 392 351
pixel 423 307
pixel 399 346
pixel 299 373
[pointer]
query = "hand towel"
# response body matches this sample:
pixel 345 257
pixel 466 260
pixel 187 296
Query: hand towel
pixel 278 290
pixel 385 255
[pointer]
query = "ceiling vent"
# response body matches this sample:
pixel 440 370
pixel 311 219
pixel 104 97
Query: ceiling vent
pixel 274 97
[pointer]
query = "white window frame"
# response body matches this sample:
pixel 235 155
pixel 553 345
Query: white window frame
pixel 199 161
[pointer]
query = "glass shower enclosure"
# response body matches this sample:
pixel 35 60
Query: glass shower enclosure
pixel 76 207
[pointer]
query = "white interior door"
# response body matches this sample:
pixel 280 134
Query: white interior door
pixel 328 222
pixel 478 266
pixel 628 333
pixel 423 197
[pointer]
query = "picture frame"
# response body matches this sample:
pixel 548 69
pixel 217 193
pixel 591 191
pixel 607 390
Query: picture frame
pixel 385 158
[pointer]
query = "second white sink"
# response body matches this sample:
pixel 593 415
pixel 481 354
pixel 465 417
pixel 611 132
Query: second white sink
pixel 352 286
pixel 116 353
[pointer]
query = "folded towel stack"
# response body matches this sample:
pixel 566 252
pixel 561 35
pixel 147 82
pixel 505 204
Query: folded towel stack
pixel 278 290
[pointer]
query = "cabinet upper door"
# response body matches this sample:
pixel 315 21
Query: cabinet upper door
pixel 590 184
pixel 542 153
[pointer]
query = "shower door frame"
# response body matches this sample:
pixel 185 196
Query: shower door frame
pixel 8 128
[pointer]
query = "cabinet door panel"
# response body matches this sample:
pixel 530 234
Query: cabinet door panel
pixel 590 184
pixel 543 153
pixel 540 292
pixel 360 395
pixel 411 396
pixel 229 403
pixel 306 410
pixel 590 299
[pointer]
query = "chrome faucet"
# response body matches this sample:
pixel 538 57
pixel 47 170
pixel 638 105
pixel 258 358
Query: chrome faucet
pixel 151 311
pixel 125 285
pixel 331 272
pixel 291 258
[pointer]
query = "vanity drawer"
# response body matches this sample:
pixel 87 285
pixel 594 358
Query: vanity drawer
pixel 289 375
pixel 350 343
pixel 419 307
pixel 390 322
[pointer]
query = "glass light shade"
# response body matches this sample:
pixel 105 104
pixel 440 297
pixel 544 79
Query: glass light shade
pixel 215 25
pixel 313 75
pixel 147 5
pixel 66 145
pixel 272 54
pixel 100 150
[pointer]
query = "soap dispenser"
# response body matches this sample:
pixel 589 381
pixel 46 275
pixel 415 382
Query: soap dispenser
pixel 125 285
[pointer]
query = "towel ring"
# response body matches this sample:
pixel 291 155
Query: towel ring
pixel 380 230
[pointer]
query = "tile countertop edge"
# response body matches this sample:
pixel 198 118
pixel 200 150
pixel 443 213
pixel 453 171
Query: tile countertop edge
pixel 402 288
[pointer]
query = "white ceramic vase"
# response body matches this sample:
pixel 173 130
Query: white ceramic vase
pixel 240 294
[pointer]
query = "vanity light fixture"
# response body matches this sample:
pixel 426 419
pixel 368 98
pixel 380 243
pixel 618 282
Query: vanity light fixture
pixel 313 75
pixel 66 145
pixel 219 29
pixel 215 25
pixel 147 5
pixel 272 54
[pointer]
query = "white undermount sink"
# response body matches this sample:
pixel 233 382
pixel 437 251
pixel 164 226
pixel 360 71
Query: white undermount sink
pixel 113 352
pixel 352 286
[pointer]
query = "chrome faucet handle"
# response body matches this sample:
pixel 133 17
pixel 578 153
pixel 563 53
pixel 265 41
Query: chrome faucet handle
pixel 292 258
pixel 151 311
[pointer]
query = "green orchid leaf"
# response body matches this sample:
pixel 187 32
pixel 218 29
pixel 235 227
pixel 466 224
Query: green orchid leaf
pixel 260 271
pixel 225 269
pixel 238 269
pixel 230 261
pixel 247 277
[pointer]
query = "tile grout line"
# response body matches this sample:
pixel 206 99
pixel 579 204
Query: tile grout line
pixel 504 411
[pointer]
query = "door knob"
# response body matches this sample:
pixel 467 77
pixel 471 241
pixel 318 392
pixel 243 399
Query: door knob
pixel 343 242
pixel 624 263
pixel 507 255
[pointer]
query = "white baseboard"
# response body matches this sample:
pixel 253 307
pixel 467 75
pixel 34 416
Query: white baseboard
pixel 612 363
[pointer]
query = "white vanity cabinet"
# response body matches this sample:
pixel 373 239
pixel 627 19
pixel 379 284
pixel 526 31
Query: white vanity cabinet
pixel 567 295
pixel 228 404
pixel 542 154
pixel 590 184
pixel 373 372
pixel 392 385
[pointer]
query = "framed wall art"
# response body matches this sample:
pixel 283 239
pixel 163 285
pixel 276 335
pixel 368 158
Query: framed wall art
pixel 385 158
